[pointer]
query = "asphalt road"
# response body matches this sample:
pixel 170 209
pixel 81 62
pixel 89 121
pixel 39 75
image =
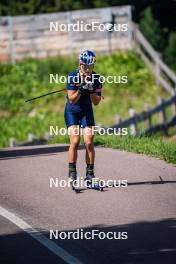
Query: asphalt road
pixel 145 210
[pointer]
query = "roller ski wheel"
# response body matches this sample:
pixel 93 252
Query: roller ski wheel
pixel 73 183
pixel 94 183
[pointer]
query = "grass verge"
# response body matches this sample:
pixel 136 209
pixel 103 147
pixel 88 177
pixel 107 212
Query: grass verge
pixel 155 147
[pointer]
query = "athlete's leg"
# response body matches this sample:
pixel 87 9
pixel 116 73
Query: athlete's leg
pixel 87 122
pixel 90 152
pixel 88 141
pixel 72 153
pixel 74 143
pixel 72 121
pixel 87 157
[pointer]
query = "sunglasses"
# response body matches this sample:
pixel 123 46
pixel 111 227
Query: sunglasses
pixel 87 67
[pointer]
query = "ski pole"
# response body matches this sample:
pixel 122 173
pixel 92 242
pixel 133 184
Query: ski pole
pixel 37 97
pixel 34 98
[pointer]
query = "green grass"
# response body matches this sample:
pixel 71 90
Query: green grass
pixel 18 127
pixel 157 147
pixel 152 146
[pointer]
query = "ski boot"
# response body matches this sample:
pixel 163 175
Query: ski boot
pixel 72 175
pixel 92 182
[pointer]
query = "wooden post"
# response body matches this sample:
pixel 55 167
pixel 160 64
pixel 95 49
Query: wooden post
pixel 12 142
pixel 118 119
pixel 147 109
pixel 70 34
pixel 47 136
pixel 174 104
pixel 157 72
pixel 11 39
pixel 99 125
pixel 133 127
pixel 31 137
pixel 174 108
pixel 162 115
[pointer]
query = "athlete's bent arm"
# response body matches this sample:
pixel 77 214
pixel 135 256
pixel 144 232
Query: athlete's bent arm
pixel 73 96
pixel 95 98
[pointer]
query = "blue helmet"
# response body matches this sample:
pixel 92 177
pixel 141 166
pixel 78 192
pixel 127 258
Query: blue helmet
pixel 87 57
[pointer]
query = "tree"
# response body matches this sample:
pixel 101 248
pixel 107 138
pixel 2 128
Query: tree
pixel 170 51
pixel 151 29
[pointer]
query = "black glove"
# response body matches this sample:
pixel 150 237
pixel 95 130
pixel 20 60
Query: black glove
pixel 82 88
pixel 87 87
pixel 91 88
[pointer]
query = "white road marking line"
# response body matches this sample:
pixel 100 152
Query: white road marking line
pixel 57 250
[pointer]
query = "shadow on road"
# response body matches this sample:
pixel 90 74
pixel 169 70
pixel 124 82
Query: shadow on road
pixel 36 151
pixel 20 248
pixel 160 181
pixel 147 243
pixel 150 182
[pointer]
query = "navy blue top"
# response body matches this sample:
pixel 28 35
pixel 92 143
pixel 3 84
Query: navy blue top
pixel 84 102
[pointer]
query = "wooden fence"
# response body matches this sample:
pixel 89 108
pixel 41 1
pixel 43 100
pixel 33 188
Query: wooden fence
pixel 146 116
pixel 30 36
pixel 163 74
pixel 132 123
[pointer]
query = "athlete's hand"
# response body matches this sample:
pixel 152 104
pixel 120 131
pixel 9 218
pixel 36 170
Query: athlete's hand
pixel 88 86
pixel 91 88
pixel 82 88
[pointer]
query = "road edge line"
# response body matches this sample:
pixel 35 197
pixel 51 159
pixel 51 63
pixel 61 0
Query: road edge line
pixel 53 247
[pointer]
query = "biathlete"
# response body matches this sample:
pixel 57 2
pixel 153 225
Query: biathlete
pixel 83 89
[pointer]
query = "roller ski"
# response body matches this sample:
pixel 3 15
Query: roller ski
pixel 95 184
pixel 91 181
pixel 72 176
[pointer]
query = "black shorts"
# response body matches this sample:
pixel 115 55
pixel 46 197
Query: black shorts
pixel 82 118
